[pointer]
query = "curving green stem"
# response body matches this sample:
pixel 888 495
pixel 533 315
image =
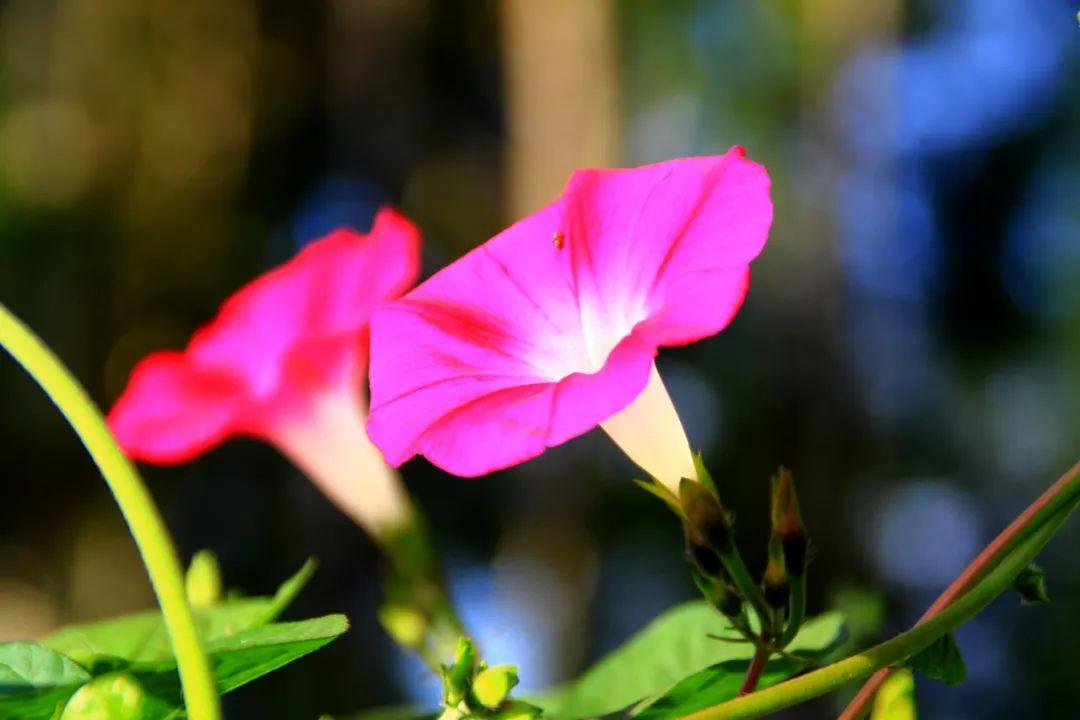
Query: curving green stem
pixel 147 527
pixel 901 647
pixel 1057 495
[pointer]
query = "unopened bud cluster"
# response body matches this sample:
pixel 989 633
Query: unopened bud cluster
pixel 472 689
pixel 778 597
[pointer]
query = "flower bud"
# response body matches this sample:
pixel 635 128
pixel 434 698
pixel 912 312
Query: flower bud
pixel 719 595
pixel 787 522
pixel 203 580
pixel 706 518
pixel 457 677
pixel 774 582
pixel 404 624
pixel 703 557
pixel 115 697
pixel 492 685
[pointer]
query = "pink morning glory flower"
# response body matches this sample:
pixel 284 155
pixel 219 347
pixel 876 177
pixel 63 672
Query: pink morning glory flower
pixel 285 361
pixel 552 327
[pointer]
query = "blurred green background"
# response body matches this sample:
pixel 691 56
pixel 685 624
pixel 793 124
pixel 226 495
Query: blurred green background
pixel 910 346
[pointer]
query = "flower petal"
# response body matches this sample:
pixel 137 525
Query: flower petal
pixel 170 413
pixel 504 424
pixel 551 327
pixel 279 345
pixel 668 245
pixel 328 290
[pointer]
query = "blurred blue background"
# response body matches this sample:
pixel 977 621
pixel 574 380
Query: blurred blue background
pixel 910 346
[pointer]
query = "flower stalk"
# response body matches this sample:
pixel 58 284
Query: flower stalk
pixel 416 611
pixel 789 533
pixel 753 672
pixel 1064 491
pixel 145 522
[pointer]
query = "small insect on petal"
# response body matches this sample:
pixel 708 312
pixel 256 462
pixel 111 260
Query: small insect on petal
pixel 558 240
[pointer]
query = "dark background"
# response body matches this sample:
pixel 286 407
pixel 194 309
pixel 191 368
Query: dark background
pixel 910 346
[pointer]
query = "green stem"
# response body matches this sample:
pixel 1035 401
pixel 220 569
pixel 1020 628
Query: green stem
pixel 414 580
pixel 740 576
pixel 796 609
pixel 136 504
pixel 898 649
pixel 1057 495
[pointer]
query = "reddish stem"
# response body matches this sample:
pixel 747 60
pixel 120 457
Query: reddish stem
pixel 983 563
pixel 753 673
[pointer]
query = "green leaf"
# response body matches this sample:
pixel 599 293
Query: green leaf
pixel 1031 585
pixel 240 658
pixel 241 641
pixel 141 637
pixel 669 650
pixel 712 686
pixel 941 661
pixel 721 682
pixel 289 590
pixel 27 666
pixel 863 609
pixel 35 681
pixel 896 698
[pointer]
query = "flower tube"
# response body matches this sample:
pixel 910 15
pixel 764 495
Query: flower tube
pixel 552 327
pixel 285 361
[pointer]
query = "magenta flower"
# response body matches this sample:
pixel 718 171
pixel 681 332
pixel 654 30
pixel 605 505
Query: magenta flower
pixel 551 327
pixel 285 361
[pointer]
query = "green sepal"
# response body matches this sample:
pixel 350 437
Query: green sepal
pixel 661 491
pixel 941 660
pixel 516 710
pixel 492 686
pixel 705 516
pixel 703 474
pixel 458 676
pixel 719 595
pixel 1031 586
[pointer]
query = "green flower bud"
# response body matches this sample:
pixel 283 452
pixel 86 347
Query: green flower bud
pixel 203 580
pixel 719 595
pixel 492 685
pixel 787 521
pixel 106 697
pixel 703 556
pixel 404 624
pixel 774 582
pixel 706 518
pixel 458 676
